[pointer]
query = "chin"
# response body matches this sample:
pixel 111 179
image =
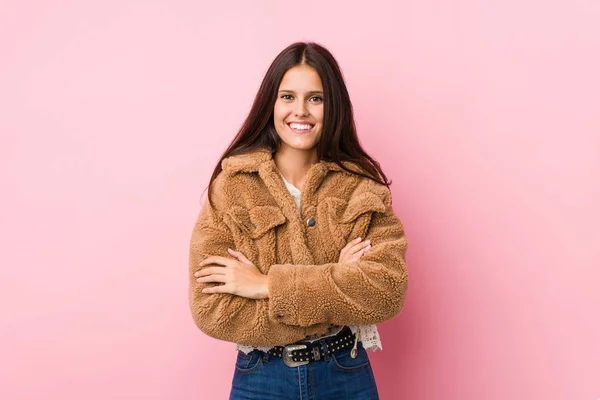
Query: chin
pixel 300 146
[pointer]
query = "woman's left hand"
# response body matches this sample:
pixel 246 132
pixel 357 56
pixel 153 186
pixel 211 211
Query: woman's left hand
pixel 238 276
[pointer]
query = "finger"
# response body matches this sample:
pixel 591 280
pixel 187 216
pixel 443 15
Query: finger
pixel 210 271
pixel 353 242
pixel 359 254
pixel 360 246
pixel 217 289
pixel 216 260
pixel 212 278
pixel 239 256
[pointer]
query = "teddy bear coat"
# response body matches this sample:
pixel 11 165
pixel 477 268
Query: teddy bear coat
pixel 254 213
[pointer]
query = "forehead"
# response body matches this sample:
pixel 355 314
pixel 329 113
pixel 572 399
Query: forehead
pixel 301 77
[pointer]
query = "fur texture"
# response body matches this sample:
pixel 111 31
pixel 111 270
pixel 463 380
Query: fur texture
pixel 309 290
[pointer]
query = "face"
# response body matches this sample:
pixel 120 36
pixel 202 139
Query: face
pixel 298 112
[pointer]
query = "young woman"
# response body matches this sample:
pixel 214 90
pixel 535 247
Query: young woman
pixel 297 253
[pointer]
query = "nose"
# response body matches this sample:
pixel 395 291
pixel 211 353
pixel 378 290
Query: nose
pixel 300 109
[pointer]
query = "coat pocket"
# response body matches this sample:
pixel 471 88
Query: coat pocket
pixel 255 233
pixel 350 219
pixel 256 221
pixel 362 204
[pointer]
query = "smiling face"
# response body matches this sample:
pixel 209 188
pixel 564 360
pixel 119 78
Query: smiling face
pixel 298 111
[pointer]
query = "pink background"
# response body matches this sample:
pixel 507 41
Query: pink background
pixel 486 115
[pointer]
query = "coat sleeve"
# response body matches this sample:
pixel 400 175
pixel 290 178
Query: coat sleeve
pixel 225 316
pixel 367 291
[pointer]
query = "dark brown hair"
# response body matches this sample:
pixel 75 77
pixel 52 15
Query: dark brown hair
pixel 338 141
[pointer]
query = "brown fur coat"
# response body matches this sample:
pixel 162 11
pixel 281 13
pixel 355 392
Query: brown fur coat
pixel 255 214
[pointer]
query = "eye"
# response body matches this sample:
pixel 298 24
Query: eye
pixel 318 98
pixel 286 96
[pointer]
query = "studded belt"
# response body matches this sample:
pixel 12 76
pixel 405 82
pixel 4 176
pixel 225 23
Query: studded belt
pixel 300 353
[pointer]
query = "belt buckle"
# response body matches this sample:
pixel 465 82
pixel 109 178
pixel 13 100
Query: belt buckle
pixel 287 355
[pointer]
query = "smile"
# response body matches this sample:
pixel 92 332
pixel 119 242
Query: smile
pixel 300 128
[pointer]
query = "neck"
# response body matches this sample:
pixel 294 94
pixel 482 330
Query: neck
pixel 294 164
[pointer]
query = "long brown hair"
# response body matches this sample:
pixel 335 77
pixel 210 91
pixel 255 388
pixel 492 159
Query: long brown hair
pixel 338 141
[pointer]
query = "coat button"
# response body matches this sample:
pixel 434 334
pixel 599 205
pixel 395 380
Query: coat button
pixel 311 221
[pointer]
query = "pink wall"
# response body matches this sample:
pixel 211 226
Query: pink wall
pixel 486 115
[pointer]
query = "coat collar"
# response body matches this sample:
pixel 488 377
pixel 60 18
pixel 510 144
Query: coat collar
pixel 263 157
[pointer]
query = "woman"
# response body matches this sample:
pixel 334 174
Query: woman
pixel 297 253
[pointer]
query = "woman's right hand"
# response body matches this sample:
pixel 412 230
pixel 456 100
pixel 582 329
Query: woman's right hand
pixel 354 250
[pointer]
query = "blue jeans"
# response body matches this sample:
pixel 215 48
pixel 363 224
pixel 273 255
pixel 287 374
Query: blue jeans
pixel 259 376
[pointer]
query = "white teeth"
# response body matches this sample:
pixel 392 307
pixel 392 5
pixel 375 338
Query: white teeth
pixel 300 127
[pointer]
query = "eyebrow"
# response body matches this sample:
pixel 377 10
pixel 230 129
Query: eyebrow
pixel 309 92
